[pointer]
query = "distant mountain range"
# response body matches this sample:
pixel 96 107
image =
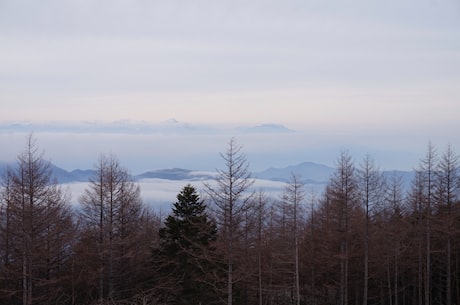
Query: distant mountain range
pixel 170 126
pixel 307 172
pixel 78 175
pixel 265 128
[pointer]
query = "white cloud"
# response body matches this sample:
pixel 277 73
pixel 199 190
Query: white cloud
pixel 160 194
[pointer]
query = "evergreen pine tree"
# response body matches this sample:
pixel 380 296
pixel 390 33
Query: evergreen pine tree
pixel 183 259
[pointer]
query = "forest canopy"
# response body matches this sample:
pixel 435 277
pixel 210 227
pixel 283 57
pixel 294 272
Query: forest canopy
pixel 364 240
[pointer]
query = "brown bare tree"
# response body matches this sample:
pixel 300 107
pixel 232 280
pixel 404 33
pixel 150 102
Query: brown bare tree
pixel 111 212
pixel 371 189
pixel 292 200
pixel 344 196
pixel 231 199
pixel 37 231
pixel 446 192
pixel 428 171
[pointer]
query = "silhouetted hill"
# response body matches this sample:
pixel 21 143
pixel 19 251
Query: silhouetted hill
pixel 265 128
pixel 308 172
pixel 175 174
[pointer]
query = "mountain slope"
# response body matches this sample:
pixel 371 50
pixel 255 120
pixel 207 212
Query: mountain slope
pixel 308 172
pixel 174 174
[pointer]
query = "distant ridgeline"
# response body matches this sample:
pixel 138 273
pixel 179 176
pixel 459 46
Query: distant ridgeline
pixel 308 173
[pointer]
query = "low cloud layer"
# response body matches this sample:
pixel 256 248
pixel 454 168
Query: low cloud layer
pixel 199 147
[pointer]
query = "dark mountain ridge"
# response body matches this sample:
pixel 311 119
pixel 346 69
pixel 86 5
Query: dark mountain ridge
pixel 308 172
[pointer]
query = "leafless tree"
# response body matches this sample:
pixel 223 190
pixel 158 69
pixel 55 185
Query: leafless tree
pixel 292 199
pixel 416 200
pixel 231 199
pixel 395 233
pixel 428 170
pixel 344 196
pixel 37 230
pixel 446 195
pixel 371 189
pixel 111 211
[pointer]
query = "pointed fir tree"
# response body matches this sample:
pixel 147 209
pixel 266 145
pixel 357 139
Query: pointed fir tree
pixel 183 259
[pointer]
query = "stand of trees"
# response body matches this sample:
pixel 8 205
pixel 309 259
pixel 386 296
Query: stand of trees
pixel 364 240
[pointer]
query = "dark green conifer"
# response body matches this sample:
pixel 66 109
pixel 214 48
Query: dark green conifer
pixel 184 258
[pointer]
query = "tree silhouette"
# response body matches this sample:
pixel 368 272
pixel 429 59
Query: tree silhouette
pixel 36 231
pixel 231 203
pixel 184 256
pixel 112 210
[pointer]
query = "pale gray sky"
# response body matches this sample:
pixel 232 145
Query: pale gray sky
pixel 365 67
pixel 309 61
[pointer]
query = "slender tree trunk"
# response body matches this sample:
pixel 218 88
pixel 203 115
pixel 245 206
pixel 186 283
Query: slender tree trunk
pixel 259 246
pixel 366 237
pixel 382 291
pixel 342 274
pixel 371 190
pixel 396 290
pixel 366 257
pixel 230 249
pixel 457 280
pixel 390 294
pixel 26 259
pixel 230 284
pixel 101 240
pixel 420 271
pixel 24 280
pixel 297 280
pixel 449 273
pixel 428 263
pixel 428 168
pixel 312 251
pixel 260 278
pixel 346 273
pixel 111 237
pixel 296 244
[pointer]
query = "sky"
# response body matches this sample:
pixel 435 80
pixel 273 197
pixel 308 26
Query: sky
pixel 377 75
